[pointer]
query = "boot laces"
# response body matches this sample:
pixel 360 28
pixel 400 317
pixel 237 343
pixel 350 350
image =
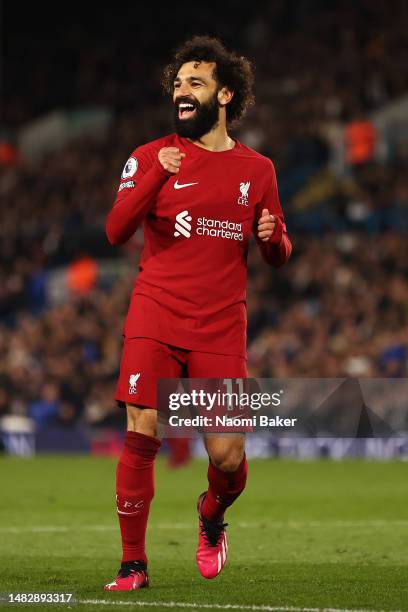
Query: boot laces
pixel 212 530
pixel 131 567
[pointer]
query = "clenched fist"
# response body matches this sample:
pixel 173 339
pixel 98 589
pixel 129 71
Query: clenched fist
pixel 170 158
pixel 270 228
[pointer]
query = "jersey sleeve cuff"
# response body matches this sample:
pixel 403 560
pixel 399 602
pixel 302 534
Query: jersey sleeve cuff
pixel 276 236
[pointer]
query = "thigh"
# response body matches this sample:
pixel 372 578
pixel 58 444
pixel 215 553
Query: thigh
pixel 216 373
pixel 219 440
pixel 143 362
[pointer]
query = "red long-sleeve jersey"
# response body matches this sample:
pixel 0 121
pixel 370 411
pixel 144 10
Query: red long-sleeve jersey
pixel 191 288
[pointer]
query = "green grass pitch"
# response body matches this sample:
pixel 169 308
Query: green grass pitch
pixel 316 534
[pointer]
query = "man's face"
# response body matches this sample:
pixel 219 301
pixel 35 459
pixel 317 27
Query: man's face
pixel 195 100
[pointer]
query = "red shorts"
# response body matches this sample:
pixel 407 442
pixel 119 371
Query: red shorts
pixel 145 360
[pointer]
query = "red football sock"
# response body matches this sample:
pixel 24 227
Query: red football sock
pixel 134 492
pixel 223 490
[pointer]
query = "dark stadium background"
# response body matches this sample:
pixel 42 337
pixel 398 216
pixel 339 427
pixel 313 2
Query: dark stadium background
pixel 80 88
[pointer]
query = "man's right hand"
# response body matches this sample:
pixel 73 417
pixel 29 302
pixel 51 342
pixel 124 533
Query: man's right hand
pixel 170 158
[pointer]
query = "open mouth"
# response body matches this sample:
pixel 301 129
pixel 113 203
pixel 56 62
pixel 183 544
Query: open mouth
pixel 186 110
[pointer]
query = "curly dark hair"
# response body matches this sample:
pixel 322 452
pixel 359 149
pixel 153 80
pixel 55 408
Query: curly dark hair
pixel 232 71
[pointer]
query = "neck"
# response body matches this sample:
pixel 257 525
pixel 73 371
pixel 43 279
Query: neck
pixel 217 139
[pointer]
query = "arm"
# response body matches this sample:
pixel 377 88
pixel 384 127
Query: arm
pixel 136 196
pixel 269 227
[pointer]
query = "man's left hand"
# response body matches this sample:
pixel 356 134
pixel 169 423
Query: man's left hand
pixel 266 225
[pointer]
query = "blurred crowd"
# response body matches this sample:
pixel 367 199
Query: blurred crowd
pixel 62 365
pixel 339 308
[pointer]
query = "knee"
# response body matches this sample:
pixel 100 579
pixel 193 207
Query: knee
pixel 227 461
pixel 142 420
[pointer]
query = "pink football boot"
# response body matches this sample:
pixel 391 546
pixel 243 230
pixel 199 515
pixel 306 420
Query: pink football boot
pixel 132 575
pixel 212 544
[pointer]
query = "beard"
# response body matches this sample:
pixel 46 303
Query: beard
pixel 204 120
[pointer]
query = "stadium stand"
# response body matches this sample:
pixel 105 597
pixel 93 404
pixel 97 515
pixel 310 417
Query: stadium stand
pixel 321 90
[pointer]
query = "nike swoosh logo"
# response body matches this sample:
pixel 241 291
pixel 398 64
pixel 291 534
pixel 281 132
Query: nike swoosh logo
pixel 178 185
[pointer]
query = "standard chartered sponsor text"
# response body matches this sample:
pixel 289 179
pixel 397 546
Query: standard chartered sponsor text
pixel 218 228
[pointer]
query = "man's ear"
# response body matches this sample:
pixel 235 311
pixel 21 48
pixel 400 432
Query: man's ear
pixel 224 96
